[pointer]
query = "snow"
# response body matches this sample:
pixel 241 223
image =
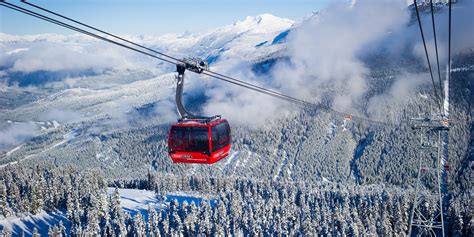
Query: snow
pixel 331 132
pixel 16 51
pixel 131 200
pixel 264 23
pixel 58 144
pixel 96 104
pixel 14 149
pixel 283 164
pixel 463 69
pixel 134 200
pixel 238 39
pixel 446 97
pixel 344 123
pixel 66 138
pixel 332 129
pixel 55 124
pixel 27 223
pixel 10 163
pixel 445 140
pixel 231 157
pixel 424 96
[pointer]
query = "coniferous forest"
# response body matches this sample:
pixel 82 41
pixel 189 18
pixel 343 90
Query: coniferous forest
pixel 234 206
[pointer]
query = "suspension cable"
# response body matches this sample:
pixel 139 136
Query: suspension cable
pixel 207 72
pixel 436 50
pixel 449 44
pixel 45 18
pixel 157 52
pixel 314 106
pixel 101 31
pixel 233 81
pixel 427 57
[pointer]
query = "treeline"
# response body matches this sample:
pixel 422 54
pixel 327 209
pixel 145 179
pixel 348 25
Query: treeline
pixel 31 190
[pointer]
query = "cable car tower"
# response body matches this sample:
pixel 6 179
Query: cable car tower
pixel 427 212
pixel 427 215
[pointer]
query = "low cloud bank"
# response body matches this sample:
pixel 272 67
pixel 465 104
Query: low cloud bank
pixel 16 133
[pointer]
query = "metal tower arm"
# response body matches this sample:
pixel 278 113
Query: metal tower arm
pixel 183 113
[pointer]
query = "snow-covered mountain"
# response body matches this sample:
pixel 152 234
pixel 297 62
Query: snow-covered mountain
pixel 83 103
pixel 100 86
pixel 111 90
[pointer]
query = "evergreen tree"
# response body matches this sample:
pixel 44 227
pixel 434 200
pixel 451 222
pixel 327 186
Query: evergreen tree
pixel 35 233
pixel 4 206
pixel 176 224
pixel 139 225
pixel 50 231
pixel 189 223
pixel 69 206
pixel 153 228
pixel 93 227
pixel 14 198
pixel 56 231
pixel 117 216
pixel 36 200
pixel 165 220
pixel 62 229
pixel 204 225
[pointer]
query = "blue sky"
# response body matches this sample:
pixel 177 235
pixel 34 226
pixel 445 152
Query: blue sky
pixel 153 16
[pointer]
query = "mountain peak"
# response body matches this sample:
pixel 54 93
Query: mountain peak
pixel 258 19
pixel 263 23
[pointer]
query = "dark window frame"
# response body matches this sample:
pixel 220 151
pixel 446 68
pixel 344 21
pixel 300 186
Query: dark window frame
pixel 189 142
pixel 218 132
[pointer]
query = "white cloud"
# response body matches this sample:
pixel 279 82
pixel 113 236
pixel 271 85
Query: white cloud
pixel 48 56
pixel 325 50
pixel 462 35
pixel 165 111
pixel 62 116
pixel 16 133
pixel 324 54
pixel 390 105
pixel 240 105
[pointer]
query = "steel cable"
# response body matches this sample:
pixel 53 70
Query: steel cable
pixel 437 99
pixel 207 72
pixel 436 50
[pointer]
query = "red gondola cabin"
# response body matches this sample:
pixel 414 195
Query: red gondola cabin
pixel 194 141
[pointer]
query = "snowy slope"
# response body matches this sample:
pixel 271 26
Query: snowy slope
pixel 25 225
pixel 92 104
pixel 131 201
pixel 240 38
pixel 92 99
pixel 282 148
